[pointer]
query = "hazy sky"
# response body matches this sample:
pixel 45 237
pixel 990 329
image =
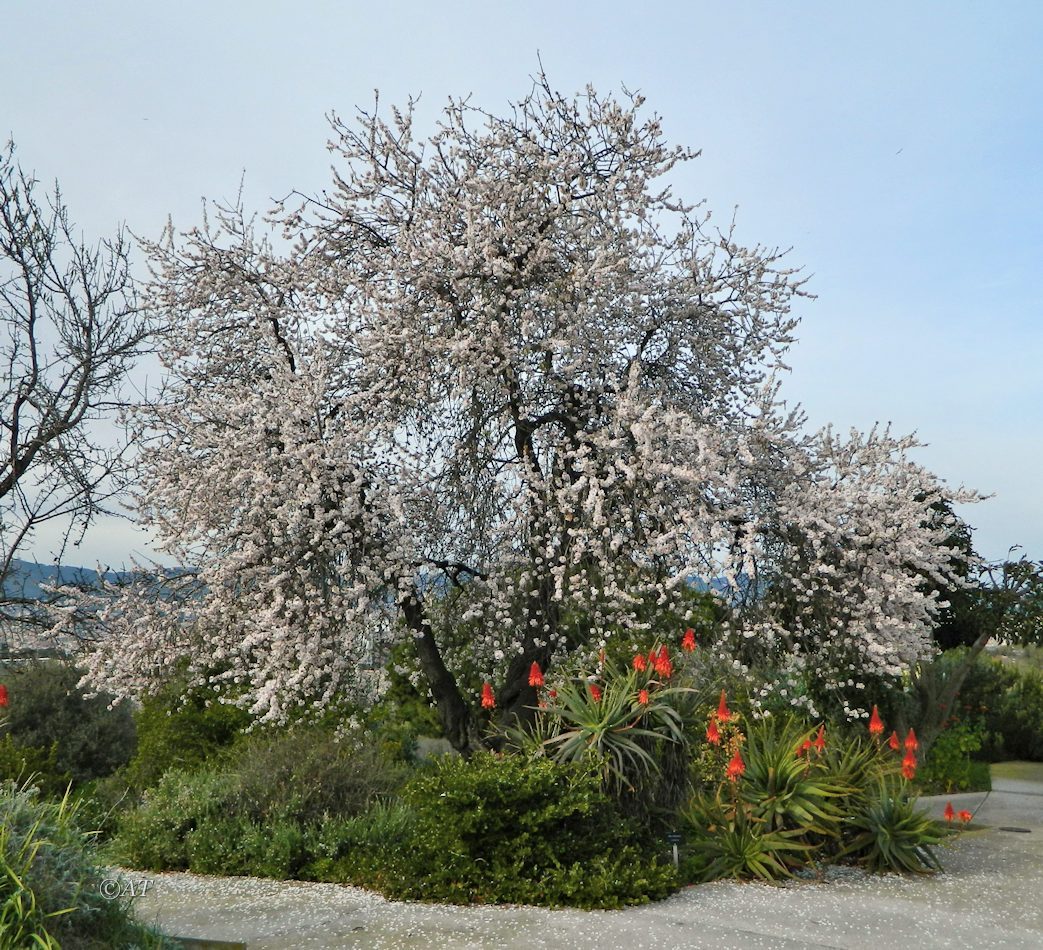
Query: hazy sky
pixel 896 147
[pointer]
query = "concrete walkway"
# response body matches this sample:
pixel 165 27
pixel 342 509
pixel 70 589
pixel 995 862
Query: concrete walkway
pixel 991 895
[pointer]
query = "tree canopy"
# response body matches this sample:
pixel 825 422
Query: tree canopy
pixel 505 360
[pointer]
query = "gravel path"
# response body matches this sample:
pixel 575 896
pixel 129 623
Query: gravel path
pixel 989 896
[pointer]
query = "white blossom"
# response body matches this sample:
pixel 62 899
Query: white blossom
pixel 506 360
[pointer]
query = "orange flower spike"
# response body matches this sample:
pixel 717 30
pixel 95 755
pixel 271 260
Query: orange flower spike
pixel 803 747
pixel 876 724
pixel 663 666
pixel 488 699
pixel 595 692
pixel 911 744
pixel 535 676
pixel 723 713
pixel 820 739
pixel 949 814
pixel 964 816
pixel 736 767
pixel 640 663
pixel 688 640
pixel 713 734
pixel 642 697
pixel 893 741
pixel 909 765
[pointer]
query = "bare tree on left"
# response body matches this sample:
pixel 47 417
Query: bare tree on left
pixel 70 331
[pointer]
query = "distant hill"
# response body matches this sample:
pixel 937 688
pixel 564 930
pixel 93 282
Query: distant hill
pixel 26 578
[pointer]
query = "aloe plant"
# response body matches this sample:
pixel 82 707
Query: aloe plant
pixel 787 784
pixel 727 840
pixel 888 833
pixel 621 724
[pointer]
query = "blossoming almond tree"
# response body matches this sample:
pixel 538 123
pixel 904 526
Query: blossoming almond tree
pixel 504 361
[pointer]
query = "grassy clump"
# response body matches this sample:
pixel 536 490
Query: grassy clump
pixel 51 892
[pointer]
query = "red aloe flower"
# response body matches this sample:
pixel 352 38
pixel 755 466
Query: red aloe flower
pixel 688 640
pixel 820 739
pixel 595 692
pixel 893 741
pixel 535 675
pixel 488 699
pixel 876 724
pixel 640 663
pixel 911 744
pixel 909 764
pixel 663 666
pixel 713 734
pixel 964 816
pixel 803 747
pixel 3 696
pixel 552 693
pixel 949 814
pixel 642 697
pixel 723 713
pixel 736 767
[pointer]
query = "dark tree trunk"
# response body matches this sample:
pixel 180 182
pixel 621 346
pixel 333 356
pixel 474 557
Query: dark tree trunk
pixel 458 723
pixel 518 700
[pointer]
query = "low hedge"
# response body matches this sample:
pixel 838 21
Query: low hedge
pixel 500 829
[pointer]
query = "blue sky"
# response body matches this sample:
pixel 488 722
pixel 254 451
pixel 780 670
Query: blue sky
pixel 897 148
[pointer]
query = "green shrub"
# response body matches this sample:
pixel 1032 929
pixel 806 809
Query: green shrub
pixel 1022 717
pixel 50 884
pixel 238 846
pixel 33 766
pixel 948 766
pixel 155 835
pixel 1008 701
pixel 256 811
pixel 363 850
pixel 101 803
pixel 306 774
pixel 176 733
pixel 47 708
pixel 507 829
pixel 191 821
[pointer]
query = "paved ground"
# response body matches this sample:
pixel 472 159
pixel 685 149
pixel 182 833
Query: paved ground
pixel 991 895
